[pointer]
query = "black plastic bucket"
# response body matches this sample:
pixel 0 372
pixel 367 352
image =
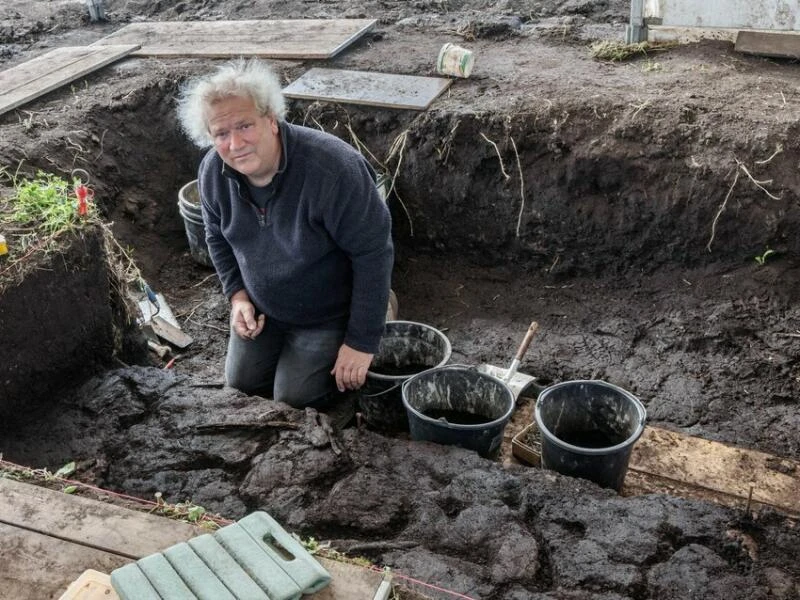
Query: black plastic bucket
pixel 406 348
pixel 458 406
pixel 189 207
pixel 588 429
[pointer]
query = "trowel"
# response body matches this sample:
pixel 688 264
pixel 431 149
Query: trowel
pixel 516 381
pixel 158 317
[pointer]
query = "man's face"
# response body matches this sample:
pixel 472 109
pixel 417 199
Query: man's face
pixel 246 140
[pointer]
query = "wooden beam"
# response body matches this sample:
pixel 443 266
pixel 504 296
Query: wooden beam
pixel 43 74
pixel 765 43
pixel 284 39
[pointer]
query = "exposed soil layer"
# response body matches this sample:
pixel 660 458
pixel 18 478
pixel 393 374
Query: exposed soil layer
pixel 622 206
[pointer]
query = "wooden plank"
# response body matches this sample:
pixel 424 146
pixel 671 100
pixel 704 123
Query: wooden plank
pixel 36 566
pixel 43 74
pixel 664 461
pixel 362 87
pixel 50 540
pixel 719 467
pixel 300 38
pixel 110 528
pixel 766 43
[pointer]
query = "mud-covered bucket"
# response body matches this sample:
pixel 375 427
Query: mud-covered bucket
pixel 189 207
pixel 459 406
pixel 588 429
pixel 406 348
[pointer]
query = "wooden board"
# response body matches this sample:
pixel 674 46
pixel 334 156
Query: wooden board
pixel 765 43
pixel 738 472
pixel 34 566
pixel 301 38
pixel 362 87
pixel 51 539
pixel 664 461
pixel 109 528
pixel 58 67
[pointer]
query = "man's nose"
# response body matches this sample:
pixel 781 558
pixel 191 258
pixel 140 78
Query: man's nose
pixel 237 140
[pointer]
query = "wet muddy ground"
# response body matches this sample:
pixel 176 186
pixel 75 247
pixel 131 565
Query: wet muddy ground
pixel 622 206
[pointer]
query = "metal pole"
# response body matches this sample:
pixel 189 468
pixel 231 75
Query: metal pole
pixel 636 30
pixel 97 10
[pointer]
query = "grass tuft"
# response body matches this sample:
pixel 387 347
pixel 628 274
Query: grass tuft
pixel 618 51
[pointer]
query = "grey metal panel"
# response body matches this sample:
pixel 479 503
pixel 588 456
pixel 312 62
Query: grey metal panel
pixel 777 15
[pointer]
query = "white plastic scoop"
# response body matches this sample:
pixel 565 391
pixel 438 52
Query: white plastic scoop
pixel 514 380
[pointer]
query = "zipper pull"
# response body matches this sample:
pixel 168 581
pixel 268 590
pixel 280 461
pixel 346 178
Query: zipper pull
pixel 262 216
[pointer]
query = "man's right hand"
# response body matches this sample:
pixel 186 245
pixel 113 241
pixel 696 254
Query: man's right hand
pixel 243 316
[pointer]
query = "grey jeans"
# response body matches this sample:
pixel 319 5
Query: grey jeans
pixel 290 364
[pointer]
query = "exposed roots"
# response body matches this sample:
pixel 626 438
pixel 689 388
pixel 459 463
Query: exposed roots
pixel 741 168
pixel 500 158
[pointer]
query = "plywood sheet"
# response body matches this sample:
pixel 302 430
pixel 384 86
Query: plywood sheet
pixel 363 87
pixel 298 38
pixel 107 527
pixel 45 73
pixel 763 43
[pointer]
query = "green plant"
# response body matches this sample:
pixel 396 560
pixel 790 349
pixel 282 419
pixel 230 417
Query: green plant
pixel 36 212
pixel 761 259
pixel 46 202
pixel 184 511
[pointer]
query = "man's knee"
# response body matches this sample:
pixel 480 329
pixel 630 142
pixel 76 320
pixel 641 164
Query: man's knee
pixel 313 393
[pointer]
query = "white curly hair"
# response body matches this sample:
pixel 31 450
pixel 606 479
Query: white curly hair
pixel 244 78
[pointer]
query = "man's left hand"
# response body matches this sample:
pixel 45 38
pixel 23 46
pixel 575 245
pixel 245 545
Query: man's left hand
pixel 351 368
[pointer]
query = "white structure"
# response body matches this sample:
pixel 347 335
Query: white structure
pixel 771 15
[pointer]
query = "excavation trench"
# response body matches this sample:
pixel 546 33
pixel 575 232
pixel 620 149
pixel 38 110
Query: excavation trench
pixel 584 218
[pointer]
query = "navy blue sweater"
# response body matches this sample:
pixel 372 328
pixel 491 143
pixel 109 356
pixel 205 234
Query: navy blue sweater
pixel 322 250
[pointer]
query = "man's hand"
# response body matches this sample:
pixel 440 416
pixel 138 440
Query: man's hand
pixel 243 316
pixel 351 368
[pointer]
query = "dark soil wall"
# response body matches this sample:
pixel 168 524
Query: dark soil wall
pixel 600 194
pixel 605 186
pixel 56 324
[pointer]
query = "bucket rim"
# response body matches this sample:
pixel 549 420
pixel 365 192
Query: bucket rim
pixel 448 351
pixel 459 426
pixel 382 392
pixel 182 192
pixel 629 441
